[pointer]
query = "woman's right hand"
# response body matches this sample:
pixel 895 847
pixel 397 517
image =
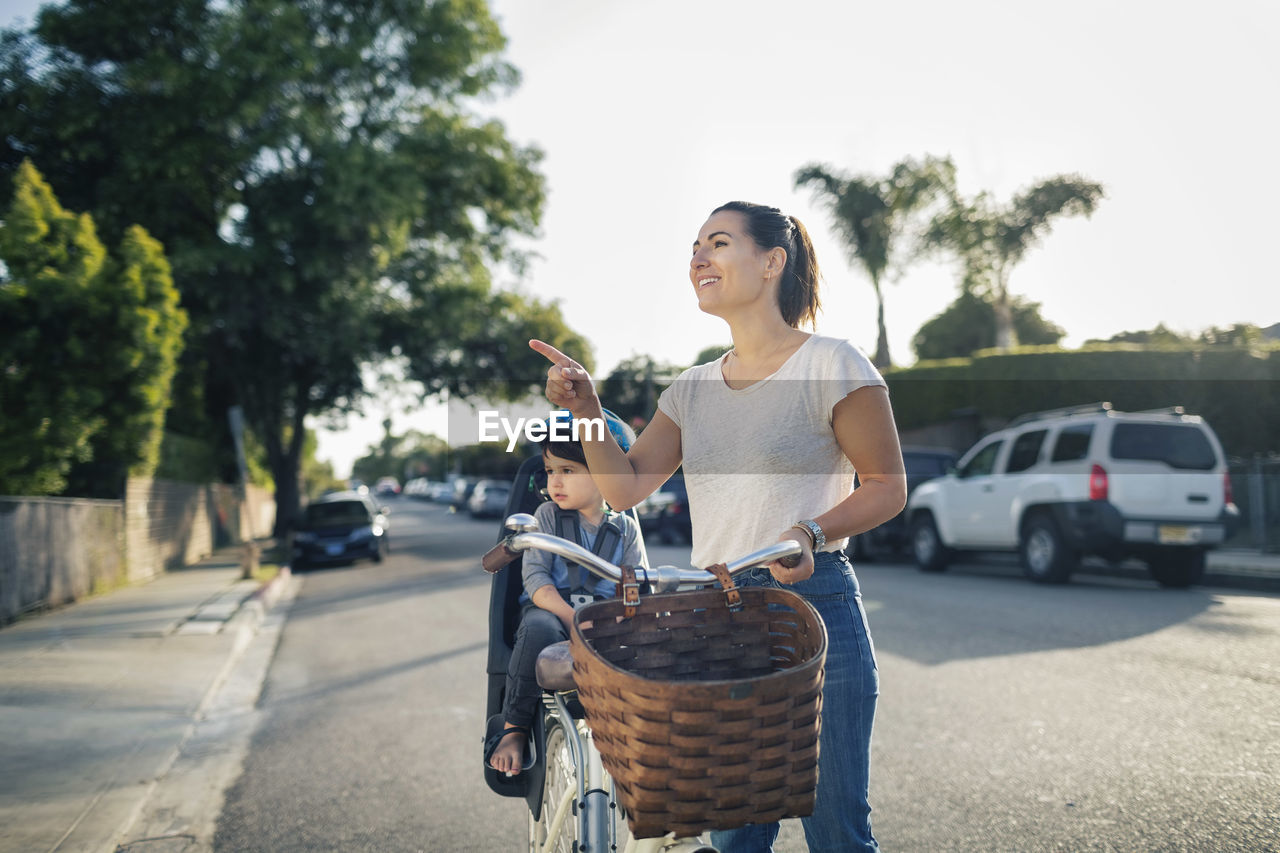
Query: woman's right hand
pixel 569 385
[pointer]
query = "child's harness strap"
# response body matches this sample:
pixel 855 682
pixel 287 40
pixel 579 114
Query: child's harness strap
pixel 608 536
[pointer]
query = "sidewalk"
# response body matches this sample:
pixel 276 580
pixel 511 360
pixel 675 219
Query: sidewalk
pixel 97 700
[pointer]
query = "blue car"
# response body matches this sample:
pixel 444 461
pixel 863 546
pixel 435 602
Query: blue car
pixel 341 527
pixel 665 513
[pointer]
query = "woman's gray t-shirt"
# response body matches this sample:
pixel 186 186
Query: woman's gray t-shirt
pixel 758 459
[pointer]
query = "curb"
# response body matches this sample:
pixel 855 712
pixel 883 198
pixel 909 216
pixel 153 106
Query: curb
pixel 1241 579
pixel 269 593
pixel 254 608
pixel 1236 577
pixel 178 810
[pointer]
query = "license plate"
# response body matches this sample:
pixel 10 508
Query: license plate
pixel 1177 534
pixel 333 550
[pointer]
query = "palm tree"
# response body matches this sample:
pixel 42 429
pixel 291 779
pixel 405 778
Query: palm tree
pixel 990 239
pixel 872 213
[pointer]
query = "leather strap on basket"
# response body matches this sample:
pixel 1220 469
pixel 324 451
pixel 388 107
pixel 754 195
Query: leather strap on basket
pixel 731 593
pixel 629 591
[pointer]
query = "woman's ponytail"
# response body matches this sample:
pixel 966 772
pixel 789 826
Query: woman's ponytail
pixel 798 295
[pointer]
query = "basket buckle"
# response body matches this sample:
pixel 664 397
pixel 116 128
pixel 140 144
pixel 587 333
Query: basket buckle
pixel 629 590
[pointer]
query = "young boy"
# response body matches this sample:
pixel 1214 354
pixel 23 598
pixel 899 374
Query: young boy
pixel 551 584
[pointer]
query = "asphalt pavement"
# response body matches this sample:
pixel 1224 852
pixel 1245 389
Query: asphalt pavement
pixel 124 717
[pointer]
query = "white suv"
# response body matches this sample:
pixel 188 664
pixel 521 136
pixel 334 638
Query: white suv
pixel 1056 486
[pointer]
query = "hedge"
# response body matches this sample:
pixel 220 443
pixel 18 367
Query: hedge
pixel 1237 390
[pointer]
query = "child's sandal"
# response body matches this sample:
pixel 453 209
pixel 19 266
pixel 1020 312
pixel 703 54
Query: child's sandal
pixel 497 729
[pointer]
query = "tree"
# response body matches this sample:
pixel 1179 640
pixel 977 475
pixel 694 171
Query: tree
pixel 326 190
pixel 1235 335
pixel 88 346
pixel 1159 336
pixel 413 454
pixel 969 324
pixel 711 353
pixel 140 338
pixel 990 239
pixel 872 215
pixel 426 455
pixel 631 390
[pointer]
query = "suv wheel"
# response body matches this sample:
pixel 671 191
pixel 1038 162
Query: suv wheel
pixel 1177 567
pixel 1046 557
pixel 926 545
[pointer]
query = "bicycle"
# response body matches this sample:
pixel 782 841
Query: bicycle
pixel 578 811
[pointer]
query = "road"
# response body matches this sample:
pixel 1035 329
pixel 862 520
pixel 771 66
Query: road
pixel 1108 714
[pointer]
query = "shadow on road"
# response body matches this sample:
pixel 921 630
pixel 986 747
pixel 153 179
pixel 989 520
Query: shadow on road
pixel 315 602
pixel 989 610
pixel 366 677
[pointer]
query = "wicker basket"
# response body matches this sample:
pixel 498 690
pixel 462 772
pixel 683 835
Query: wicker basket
pixel 706 718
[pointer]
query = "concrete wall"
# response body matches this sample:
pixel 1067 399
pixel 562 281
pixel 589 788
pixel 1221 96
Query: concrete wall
pixel 167 525
pixel 55 550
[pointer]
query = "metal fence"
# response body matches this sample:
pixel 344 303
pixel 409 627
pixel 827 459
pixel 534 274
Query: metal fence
pixel 1255 487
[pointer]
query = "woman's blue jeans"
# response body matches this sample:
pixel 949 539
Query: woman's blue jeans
pixel 841 819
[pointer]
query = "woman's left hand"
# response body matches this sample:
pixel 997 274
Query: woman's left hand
pixel 802 570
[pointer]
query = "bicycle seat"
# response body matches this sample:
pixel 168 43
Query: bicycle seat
pixel 555 667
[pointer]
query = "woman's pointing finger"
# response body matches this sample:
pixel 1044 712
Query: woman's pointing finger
pixel 552 354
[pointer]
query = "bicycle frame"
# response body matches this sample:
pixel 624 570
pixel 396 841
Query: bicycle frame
pixel 597 815
pixel 596 811
pixel 592 790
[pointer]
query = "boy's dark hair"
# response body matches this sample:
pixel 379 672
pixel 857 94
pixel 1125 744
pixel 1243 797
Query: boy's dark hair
pixel 563 448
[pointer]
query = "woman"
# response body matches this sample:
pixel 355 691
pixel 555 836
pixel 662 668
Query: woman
pixel 770 436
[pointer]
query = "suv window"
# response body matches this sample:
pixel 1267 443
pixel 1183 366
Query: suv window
pixel 1176 445
pixel 1025 450
pixel 983 462
pixel 1072 443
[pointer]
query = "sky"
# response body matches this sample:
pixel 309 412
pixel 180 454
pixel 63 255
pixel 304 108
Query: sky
pixel 652 114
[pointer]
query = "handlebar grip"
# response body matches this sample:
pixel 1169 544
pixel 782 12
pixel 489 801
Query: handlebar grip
pixel 498 557
pixel 790 562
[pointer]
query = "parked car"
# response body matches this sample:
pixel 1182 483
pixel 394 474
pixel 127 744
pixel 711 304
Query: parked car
pixel 462 489
pixel 665 513
pixel 489 499
pixel 1059 485
pixel 340 527
pixel 922 464
pixel 422 488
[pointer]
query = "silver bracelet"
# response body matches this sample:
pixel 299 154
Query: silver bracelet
pixel 816 534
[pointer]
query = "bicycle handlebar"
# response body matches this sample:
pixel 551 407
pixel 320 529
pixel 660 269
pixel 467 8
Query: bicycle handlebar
pixel 525 535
